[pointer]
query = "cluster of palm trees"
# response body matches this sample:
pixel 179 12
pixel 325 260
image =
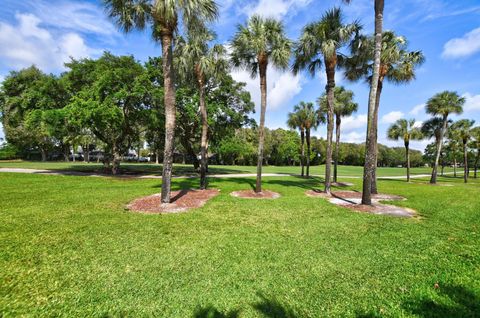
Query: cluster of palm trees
pixel 262 42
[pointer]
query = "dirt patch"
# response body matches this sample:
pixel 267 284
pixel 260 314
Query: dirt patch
pixel 181 201
pixel 250 194
pixel 352 200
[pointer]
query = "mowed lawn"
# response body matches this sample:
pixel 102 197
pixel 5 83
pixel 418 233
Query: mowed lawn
pixel 69 248
pixel 182 169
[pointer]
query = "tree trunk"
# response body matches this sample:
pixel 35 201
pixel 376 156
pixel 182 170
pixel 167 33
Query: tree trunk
pixel 330 67
pixel 116 161
pixel 66 151
pixel 87 154
pixel 454 165
pixel 338 122
pixel 138 153
pixel 43 152
pixel 375 139
pixel 204 140
pixel 476 164
pixel 157 156
pixel 465 162
pixel 73 153
pixel 433 179
pixel 302 149
pixel 407 155
pixel 370 147
pixel 169 102
pixel 307 133
pixel 263 89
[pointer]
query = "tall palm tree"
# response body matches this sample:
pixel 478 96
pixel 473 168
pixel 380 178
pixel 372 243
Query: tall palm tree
pixel 397 65
pixel 195 57
pixel 256 44
pixel 463 130
pixel 443 104
pixel 294 121
pixel 344 106
pixel 406 130
pixel 311 119
pixel 163 17
pixel 319 44
pixel 452 148
pixel 476 147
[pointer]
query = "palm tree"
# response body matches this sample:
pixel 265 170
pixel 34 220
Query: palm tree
pixel 311 119
pixel 463 130
pixel 162 16
pixel 406 130
pixel 476 146
pixel 344 106
pixel 260 42
pixel 196 58
pixel 397 65
pixel 319 44
pixel 295 122
pixel 452 148
pixel 443 104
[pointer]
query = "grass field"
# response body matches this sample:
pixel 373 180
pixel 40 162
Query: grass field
pixel 180 169
pixel 69 248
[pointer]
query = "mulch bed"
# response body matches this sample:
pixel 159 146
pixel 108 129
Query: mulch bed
pixel 181 201
pixel 250 194
pixel 352 200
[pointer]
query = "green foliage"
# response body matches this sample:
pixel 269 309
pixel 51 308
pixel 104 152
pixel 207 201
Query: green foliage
pixel 8 152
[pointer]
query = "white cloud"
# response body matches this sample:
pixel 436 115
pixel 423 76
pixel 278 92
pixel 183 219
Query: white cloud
pixel 418 124
pixel 353 137
pixel 392 117
pixel 281 86
pixel 464 46
pixel 472 102
pixel 28 43
pixel 275 8
pixel 417 109
pixel 79 16
pixel 354 122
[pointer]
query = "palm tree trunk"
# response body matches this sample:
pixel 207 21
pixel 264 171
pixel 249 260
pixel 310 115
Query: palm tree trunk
pixel 370 149
pixel 433 179
pixel 302 149
pixel 169 102
pixel 330 66
pixel 454 165
pixel 116 161
pixel 476 164
pixel 465 162
pixel 375 139
pixel 203 143
pixel 307 133
pixel 338 122
pixel 261 128
pixel 407 155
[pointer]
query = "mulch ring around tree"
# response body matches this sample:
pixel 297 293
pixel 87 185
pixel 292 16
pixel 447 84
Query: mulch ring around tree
pixel 181 201
pixel 251 194
pixel 352 200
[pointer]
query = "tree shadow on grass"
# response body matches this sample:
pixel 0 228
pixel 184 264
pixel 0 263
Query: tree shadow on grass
pixel 272 308
pixel 457 301
pixel 212 312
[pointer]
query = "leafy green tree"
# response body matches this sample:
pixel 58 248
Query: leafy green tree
pixel 196 58
pixel 31 106
pixel 113 105
pixel 406 130
pixel 319 41
pixel 443 104
pixel 163 16
pixel 344 106
pixel 476 146
pixel 260 42
pixel 397 65
pixel 463 130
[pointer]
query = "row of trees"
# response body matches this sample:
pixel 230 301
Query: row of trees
pixel 115 104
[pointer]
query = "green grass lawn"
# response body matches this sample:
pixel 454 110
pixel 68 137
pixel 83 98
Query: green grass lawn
pixel 68 248
pixel 181 169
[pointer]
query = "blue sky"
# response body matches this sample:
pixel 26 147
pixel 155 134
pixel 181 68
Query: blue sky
pixel 47 32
